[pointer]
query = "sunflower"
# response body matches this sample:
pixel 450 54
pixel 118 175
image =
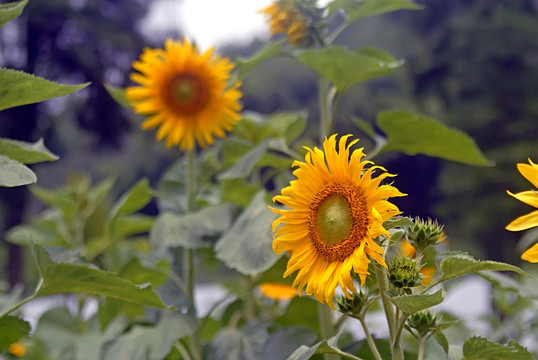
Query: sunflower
pixel 530 172
pixel 185 94
pixel 337 209
pixel 17 349
pixel 285 17
pixel 277 291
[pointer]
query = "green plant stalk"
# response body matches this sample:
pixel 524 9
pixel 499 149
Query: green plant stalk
pixel 421 344
pixel 326 326
pixel 324 109
pixel 188 254
pixel 383 282
pixel 369 339
pixel 249 299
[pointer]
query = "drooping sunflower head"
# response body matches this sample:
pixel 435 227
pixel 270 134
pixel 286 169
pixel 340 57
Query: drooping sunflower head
pixel 530 197
pixel 336 209
pixel 286 17
pixel 185 94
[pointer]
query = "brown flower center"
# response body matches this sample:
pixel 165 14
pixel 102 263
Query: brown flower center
pixel 338 221
pixel 186 94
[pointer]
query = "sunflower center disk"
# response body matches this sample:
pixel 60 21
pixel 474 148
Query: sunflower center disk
pixel 184 89
pixel 187 94
pixel 334 221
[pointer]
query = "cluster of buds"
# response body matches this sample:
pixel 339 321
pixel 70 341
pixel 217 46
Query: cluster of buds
pixel 404 272
pixel 425 233
pixel 355 305
pixel 423 322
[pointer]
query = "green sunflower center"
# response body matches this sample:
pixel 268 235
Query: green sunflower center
pixel 333 220
pixel 187 94
pixel 339 221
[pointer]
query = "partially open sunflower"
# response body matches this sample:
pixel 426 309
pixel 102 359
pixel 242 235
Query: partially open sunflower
pixel 336 210
pixel 185 94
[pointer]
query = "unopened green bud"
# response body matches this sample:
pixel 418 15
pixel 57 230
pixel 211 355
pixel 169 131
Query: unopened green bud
pixel 423 322
pixel 353 305
pixel 404 272
pixel 425 233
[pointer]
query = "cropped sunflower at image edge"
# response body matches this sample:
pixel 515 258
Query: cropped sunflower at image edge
pixel 185 94
pixel 530 197
pixel 336 211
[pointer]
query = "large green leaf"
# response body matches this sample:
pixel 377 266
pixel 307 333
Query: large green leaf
pixel 19 88
pixel 13 173
pixel 416 134
pixel 281 344
pixel 345 68
pixel 61 278
pixel 244 66
pixel 479 348
pixel 191 230
pixel 231 344
pixel 25 152
pixel 323 347
pixel 246 247
pixel 458 265
pixel 11 330
pixel 134 199
pixel 410 304
pixel 244 166
pixel 151 342
pixel 359 9
pixel 11 10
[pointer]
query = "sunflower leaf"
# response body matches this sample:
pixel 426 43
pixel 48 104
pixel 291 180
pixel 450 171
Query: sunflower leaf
pixel 19 88
pixel 456 266
pixel 118 94
pixel 61 278
pixel 11 10
pixel 416 134
pixel 25 152
pixel 13 173
pixel 243 167
pixel 246 247
pixel 328 346
pixel 191 230
pixel 138 196
pixel 245 66
pixel 12 329
pixel 441 340
pixel 410 304
pixel 345 68
pixel 365 8
pixel 479 348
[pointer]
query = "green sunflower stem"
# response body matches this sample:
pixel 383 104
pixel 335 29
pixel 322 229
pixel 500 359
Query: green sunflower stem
pixel 326 326
pixel 324 109
pixel 383 282
pixel 188 254
pixel 369 339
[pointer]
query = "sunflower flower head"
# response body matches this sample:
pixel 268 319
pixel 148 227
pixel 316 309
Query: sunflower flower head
pixel 530 197
pixel 337 207
pixel 17 349
pixel 279 292
pixel 424 322
pixel 404 272
pixel 425 233
pixel 185 94
pixel 292 17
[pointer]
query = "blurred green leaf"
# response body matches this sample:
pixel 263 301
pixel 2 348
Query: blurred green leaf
pixel 345 68
pixel 12 329
pixel 365 127
pixel 441 340
pixel 238 191
pixel 191 230
pixel 43 231
pixel 360 9
pixel 61 278
pixel 301 311
pixel 410 304
pixel 11 10
pixel 459 265
pixel 479 348
pixel 25 152
pixel 13 173
pixel 151 342
pixel 134 199
pixel 118 94
pixel 323 347
pixel 281 344
pixel 19 88
pixel 133 224
pixel 246 247
pixel 289 124
pixel 244 166
pixel 232 343
pixel 416 134
pixel 244 66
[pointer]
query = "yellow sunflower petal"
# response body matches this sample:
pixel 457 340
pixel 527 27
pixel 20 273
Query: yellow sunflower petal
pixel 530 172
pixel 524 222
pixel 531 254
pixel 528 197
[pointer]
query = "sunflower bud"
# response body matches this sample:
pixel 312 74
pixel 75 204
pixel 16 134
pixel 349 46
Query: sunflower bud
pixel 423 322
pixel 353 305
pixel 404 272
pixel 425 233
